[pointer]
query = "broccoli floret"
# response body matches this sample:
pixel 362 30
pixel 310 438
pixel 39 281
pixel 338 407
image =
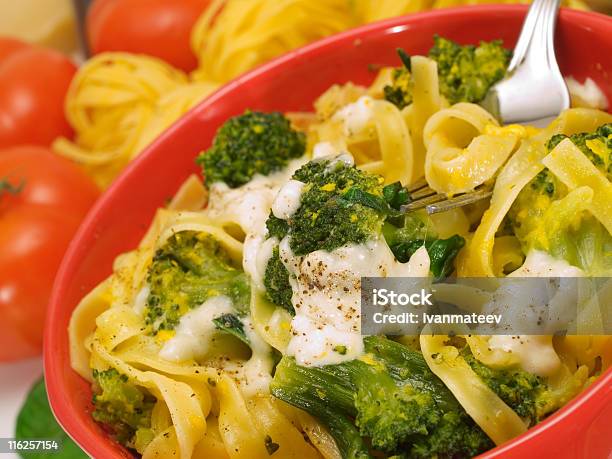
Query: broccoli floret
pixel 417 230
pixel 392 398
pixel 327 217
pixel 249 144
pixel 577 237
pixel 276 281
pixel 276 227
pixel 340 205
pixel 231 323
pixel 467 72
pixel 519 389
pixel 399 92
pixel 123 407
pixel 189 269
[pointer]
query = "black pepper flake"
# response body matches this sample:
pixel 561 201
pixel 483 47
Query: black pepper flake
pixel 271 447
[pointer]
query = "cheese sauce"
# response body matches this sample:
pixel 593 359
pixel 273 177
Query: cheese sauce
pixel 536 353
pixel 194 333
pixel 326 288
pixel 250 205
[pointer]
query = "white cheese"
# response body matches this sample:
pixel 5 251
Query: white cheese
pixel 587 94
pixel 326 288
pixel 140 302
pixel 345 158
pixel 356 116
pixel 257 371
pixel 249 206
pixel 323 150
pixel 541 264
pixel 536 353
pixel 287 200
pixel 195 331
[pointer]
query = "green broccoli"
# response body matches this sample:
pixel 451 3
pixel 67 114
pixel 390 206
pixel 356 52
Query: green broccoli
pixel 417 230
pixel 339 205
pixel 249 144
pixel 189 269
pixel 388 399
pixel 399 92
pixel 465 72
pixel 327 218
pixel 519 389
pixel 276 281
pixel 276 227
pixel 123 407
pixel 577 237
pixel 231 323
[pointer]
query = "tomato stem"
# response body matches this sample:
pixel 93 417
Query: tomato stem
pixel 8 187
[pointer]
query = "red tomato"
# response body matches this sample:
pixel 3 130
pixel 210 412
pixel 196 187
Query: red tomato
pixel 159 28
pixel 36 226
pixel 9 46
pixel 34 84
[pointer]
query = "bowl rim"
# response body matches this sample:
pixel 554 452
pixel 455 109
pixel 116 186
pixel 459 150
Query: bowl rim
pixel 89 441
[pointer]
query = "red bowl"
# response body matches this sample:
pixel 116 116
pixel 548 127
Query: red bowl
pixel 292 82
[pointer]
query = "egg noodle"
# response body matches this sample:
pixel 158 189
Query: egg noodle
pixel 215 402
pixel 118 103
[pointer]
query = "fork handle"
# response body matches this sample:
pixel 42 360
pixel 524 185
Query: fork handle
pixel 536 40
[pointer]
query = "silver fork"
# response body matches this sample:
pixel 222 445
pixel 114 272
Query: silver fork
pixel 533 93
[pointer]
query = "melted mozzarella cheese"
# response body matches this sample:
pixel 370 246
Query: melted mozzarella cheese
pixel 536 353
pixel 587 94
pixel 287 200
pixel 326 288
pixel 195 331
pixel 257 371
pixel 323 150
pixel 194 336
pixel 541 264
pixel 250 205
pixel 140 302
pixel 356 116
pixel 345 158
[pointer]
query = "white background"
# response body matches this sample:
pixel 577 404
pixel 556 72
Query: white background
pixel 16 379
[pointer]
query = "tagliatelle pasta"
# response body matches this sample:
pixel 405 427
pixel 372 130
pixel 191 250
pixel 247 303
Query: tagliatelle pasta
pixel 117 104
pixel 233 35
pixel 495 417
pixel 575 170
pixel 194 325
pixel 523 166
pixel 451 168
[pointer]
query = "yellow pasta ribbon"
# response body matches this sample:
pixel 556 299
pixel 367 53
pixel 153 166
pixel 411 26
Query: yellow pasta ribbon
pixel 117 104
pixel 452 167
pixel 493 416
pixel 575 170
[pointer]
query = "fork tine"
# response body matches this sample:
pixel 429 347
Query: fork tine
pixel 459 201
pixel 424 202
pixel 420 183
pixel 422 193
